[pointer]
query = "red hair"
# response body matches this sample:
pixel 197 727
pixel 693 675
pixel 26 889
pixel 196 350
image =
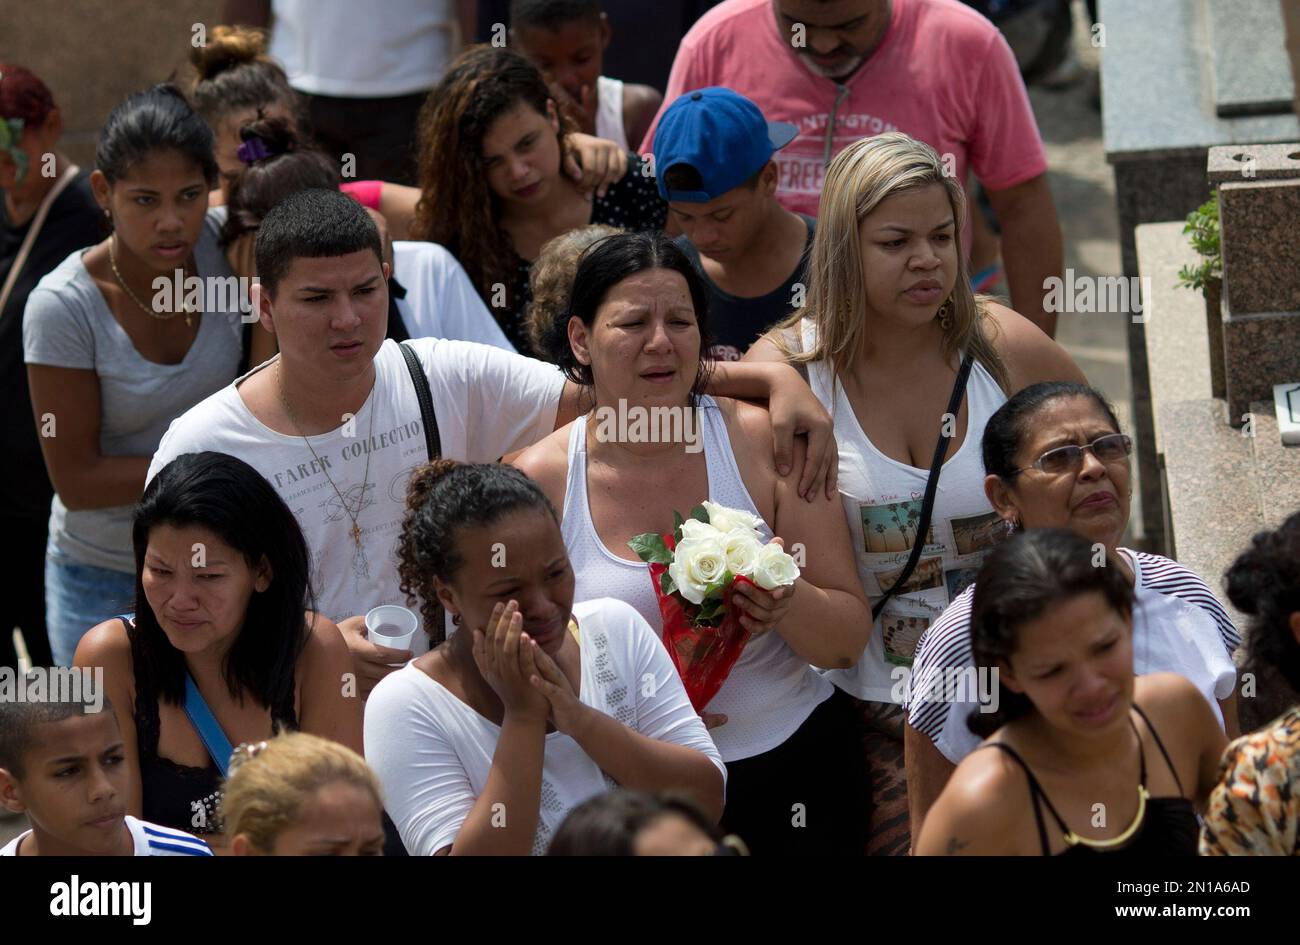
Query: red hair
pixel 23 95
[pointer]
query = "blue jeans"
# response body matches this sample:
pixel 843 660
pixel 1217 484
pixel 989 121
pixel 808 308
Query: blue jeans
pixel 79 596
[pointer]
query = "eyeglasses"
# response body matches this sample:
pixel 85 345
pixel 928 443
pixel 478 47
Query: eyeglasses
pixel 1112 448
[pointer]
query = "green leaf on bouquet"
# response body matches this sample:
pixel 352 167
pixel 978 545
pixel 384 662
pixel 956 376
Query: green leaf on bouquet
pixel 700 514
pixel 650 547
pixel 710 614
pixel 666 584
pixel 715 590
pixel 677 519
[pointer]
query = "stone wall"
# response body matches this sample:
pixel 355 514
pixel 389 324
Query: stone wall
pixel 93 53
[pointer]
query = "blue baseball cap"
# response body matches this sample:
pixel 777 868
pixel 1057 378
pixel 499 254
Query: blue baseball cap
pixel 722 135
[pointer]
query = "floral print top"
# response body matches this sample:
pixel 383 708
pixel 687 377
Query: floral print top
pixel 1255 809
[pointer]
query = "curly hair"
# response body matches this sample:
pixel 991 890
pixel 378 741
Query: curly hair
pixel 1264 583
pixel 445 495
pixel 551 279
pixel 457 208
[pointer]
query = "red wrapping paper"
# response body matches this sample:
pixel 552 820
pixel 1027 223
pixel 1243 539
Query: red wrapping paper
pixel 703 656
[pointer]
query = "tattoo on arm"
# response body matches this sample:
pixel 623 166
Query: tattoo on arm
pixel 954 845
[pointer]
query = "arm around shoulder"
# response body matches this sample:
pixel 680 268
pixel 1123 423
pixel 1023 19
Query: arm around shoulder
pixel 765 349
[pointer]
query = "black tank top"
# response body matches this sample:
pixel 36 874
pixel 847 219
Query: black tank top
pixel 1168 824
pixel 175 795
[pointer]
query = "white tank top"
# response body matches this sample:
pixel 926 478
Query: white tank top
pixel 770 691
pixel 609 111
pixel 882 501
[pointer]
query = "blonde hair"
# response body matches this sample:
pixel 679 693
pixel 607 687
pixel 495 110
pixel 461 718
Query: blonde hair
pixel 270 783
pixel 551 278
pixel 860 178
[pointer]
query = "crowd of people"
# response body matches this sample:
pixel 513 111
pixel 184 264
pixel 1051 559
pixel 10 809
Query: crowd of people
pixel 442 281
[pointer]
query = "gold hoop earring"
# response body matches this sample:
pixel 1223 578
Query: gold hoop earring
pixel 945 314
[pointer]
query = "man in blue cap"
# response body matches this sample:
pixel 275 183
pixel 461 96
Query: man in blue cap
pixel 713 162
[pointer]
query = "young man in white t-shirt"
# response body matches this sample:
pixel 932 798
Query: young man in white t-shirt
pixel 333 421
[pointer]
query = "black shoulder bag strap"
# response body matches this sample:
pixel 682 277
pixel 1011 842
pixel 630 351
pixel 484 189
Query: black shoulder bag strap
pixel 396 326
pixel 931 487
pixel 432 442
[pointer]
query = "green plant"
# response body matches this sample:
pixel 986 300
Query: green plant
pixel 1203 227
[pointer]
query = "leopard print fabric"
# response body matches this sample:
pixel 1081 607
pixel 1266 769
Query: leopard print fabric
pixel 882 743
pixel 1255 809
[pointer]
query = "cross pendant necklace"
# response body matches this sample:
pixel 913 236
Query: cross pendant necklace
pixel 365 479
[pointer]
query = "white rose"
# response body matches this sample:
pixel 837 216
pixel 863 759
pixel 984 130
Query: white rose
pixel 697 563
pixel 694 528
pixel 728 520
pixel 774 568
pixel 741 549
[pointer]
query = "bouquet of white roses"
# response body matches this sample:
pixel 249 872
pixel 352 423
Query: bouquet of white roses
pixel 694 571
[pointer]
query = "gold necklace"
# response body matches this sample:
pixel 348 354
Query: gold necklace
pixel 365 479
pixel 112 261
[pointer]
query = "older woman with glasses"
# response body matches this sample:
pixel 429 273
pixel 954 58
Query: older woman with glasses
pixel 1055 457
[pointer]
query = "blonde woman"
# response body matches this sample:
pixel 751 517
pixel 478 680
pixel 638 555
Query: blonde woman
pixel 889 321
pixel 302 795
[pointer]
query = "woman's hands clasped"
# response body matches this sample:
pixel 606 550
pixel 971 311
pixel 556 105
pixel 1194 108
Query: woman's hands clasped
pixel 503 654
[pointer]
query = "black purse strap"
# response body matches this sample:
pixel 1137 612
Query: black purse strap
pixel 432 442
pixel 931 487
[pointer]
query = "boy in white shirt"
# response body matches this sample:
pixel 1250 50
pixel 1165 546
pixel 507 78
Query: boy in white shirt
pixel 62 763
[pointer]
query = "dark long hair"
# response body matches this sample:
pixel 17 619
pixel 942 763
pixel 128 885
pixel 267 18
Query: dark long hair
pixel 231 499
pixel 456 207
pixel 1019 581
pixel 605 264
pixel 441 497
pixel 1264 582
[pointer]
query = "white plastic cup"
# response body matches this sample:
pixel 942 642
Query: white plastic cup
pixel 392 626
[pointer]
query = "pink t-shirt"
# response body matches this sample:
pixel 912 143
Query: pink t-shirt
pixel 943 74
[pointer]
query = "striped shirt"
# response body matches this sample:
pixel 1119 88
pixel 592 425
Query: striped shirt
pixel 149 840
pixel 1178 627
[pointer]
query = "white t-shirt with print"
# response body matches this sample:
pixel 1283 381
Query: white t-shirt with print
pixel 487 403
pixel 433 753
